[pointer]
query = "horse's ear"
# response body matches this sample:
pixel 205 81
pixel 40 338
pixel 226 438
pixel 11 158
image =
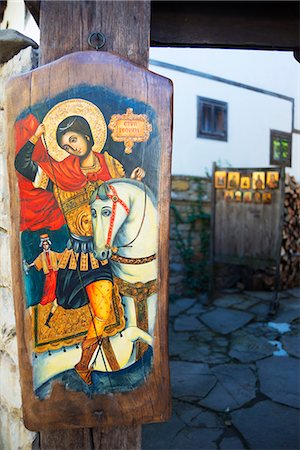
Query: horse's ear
pixel 102 192
pixel 93 196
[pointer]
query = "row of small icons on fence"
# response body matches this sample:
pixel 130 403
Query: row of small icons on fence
pixel 248 197
pixel 255 180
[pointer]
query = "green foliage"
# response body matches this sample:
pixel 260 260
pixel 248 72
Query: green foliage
pixel 196 260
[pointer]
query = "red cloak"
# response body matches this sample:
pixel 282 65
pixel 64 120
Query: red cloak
pixel 39 208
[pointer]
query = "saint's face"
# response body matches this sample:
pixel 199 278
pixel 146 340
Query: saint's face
pixel 75 143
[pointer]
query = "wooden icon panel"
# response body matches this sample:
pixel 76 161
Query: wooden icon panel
pixel 91 309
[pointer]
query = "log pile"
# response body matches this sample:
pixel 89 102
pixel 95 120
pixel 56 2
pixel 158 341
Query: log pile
pixel 290 249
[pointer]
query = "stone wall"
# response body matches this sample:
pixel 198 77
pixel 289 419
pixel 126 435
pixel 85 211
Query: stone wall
pixel 13 434
pixel 190 212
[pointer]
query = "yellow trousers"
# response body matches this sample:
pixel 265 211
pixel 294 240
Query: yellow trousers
pixel 100 297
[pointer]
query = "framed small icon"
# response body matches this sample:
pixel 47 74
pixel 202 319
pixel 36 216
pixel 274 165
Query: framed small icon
pixel 256 197
pixel 245 182
pixel 258 180
pixel 272 180
pixel 267 198
pixel 220 179
pixel 247 197
pixel 229 196
pixel 233 181
pixel 238 196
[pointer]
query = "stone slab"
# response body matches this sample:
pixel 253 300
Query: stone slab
pixel 226 321
pixel 188 323
pixel 191 380
pixel 279 379
pixel 262 295
pixel 291 343
pixel 178 345
pixel 231 443
pixel 287 316
pixel 227 301
pixel 161 435
pixel 238 301
pixel 246 303
pixel 250 348
pixel 235 387
pixel 180 305
pixel 197 438
pixel 196 309
pixel 295 292
pixel 195 416
pixel 268 426
pixel 261 310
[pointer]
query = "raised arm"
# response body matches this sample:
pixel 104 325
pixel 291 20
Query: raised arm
pixel 23 161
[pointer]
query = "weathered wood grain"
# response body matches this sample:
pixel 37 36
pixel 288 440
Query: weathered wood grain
pixel 125 24
pixel 151 401
pixel 247 230
pixel 255 25
pixel 260 25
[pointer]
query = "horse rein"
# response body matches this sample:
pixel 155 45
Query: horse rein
pixel 115 199
pixel 118 258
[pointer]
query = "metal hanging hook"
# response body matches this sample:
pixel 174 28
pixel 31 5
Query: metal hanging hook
pixel 96 40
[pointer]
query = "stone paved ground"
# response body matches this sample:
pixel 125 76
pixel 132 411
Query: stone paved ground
pixel 235 375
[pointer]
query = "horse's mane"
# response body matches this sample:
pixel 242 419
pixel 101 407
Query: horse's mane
pixel 139 184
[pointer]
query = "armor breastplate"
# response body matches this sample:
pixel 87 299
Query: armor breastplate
pixel 76 208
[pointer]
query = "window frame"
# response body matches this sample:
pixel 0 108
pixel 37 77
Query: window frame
pixel 276 134
pixel 204 134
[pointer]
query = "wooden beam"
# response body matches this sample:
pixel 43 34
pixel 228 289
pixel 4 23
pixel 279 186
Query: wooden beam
pixel 255 25
pixel 126 26
pixel 65 28
pixel 252 25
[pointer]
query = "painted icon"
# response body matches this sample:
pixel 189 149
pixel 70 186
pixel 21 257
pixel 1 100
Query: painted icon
pixel 238 196
pixel 256 197
pixel 267 198
pixel 220 179
pixel 229 196
pixel 233 180
pixel 245 182
pixel 272 180
pixel 89 244
pixel 247 197
pixel 258 180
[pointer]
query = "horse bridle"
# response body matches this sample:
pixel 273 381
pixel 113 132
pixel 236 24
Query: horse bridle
pixel 115 199
pixel 122 259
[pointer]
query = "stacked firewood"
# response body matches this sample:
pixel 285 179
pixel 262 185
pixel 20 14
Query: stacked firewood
pixel 290 249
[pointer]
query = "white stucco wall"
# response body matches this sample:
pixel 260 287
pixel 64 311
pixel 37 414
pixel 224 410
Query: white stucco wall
pixel 251 115
pixel 15 18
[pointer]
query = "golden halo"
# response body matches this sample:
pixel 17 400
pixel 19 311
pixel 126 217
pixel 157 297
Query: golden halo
pixel 73 107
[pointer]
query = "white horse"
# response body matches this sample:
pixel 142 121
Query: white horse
pixel 125 229
pixel 133 233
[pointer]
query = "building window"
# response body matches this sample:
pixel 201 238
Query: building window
pixel 281 148
pixel 212 119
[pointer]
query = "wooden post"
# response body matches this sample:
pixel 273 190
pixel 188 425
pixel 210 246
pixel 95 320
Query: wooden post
pixel 65 28
pixel 211 289
pixel 274 306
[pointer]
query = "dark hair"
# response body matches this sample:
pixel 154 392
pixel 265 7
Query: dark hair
pixel 77 124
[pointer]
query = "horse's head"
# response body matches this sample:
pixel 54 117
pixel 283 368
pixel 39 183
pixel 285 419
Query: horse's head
pixel 109 212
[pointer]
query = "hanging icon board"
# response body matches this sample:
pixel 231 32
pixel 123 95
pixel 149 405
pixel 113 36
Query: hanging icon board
pixel 247 214
pixel 89 144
